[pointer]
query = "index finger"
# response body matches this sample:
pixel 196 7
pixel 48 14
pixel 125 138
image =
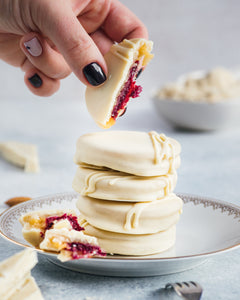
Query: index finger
pixel 121 23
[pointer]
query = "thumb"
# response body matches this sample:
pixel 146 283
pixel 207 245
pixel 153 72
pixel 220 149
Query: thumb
pixel 79 50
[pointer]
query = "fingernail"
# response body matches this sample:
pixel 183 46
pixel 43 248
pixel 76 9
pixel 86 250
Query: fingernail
pixel 94 74
pixel 33 47
pixel 139 72
pixel 35 80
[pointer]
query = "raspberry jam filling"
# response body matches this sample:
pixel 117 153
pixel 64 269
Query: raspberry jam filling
pixel 79 250
pixel 129 90
pixel 72 220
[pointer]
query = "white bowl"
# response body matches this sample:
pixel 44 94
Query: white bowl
pixel 199 115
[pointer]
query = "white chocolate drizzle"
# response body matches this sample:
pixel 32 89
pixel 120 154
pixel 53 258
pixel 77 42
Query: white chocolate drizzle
pixel 91 181
pixel 114 180
pixel 83 223
pixel 94 177
pixel 134 214
pixel 168 179
pixel 122 50
pixel 163 149
pixel 132 50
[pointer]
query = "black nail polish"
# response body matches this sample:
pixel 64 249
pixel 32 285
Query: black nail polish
pixel 35 80
pixel 94 74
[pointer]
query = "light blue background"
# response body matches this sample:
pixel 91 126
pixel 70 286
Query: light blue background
pixel 187 35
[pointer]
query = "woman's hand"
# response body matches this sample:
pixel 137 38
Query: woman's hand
pixel 49 39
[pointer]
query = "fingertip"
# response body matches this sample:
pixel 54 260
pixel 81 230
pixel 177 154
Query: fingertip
pixel 140 31
pixel 78 49
pixel 94 74
pixel 39 84
pixel 43 57
pixel 103 42
pixel 121 23
pixel 31 43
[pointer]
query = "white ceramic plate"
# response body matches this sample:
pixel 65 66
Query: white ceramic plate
pixel 207 227
pixel 199 115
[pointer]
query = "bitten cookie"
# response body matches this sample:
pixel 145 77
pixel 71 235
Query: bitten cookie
pixel 124 61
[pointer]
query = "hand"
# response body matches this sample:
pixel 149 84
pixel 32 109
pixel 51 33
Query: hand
pixel 49 39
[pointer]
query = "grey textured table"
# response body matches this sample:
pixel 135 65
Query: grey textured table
pixel 188 35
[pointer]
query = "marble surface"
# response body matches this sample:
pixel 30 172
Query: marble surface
pixel 188 35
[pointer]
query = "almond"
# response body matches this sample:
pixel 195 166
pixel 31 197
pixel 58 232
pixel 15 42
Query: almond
pixel 16 200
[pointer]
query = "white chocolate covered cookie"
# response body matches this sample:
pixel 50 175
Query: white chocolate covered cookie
pixel 138 153
pixel 129 244
pixel 131 218
pixel 124 61
pixel 16 282
pixel 119 186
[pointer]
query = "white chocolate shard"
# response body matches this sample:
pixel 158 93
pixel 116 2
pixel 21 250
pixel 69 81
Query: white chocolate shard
pixel 15 275
pixel 21 155
pixel 17 265
pixel 120 59
pixel 28 291
pixel 216 85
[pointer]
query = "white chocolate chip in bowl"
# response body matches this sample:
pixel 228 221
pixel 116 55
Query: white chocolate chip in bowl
pixel 201 100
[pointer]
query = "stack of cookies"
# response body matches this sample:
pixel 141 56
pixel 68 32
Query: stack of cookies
pixel 126 180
